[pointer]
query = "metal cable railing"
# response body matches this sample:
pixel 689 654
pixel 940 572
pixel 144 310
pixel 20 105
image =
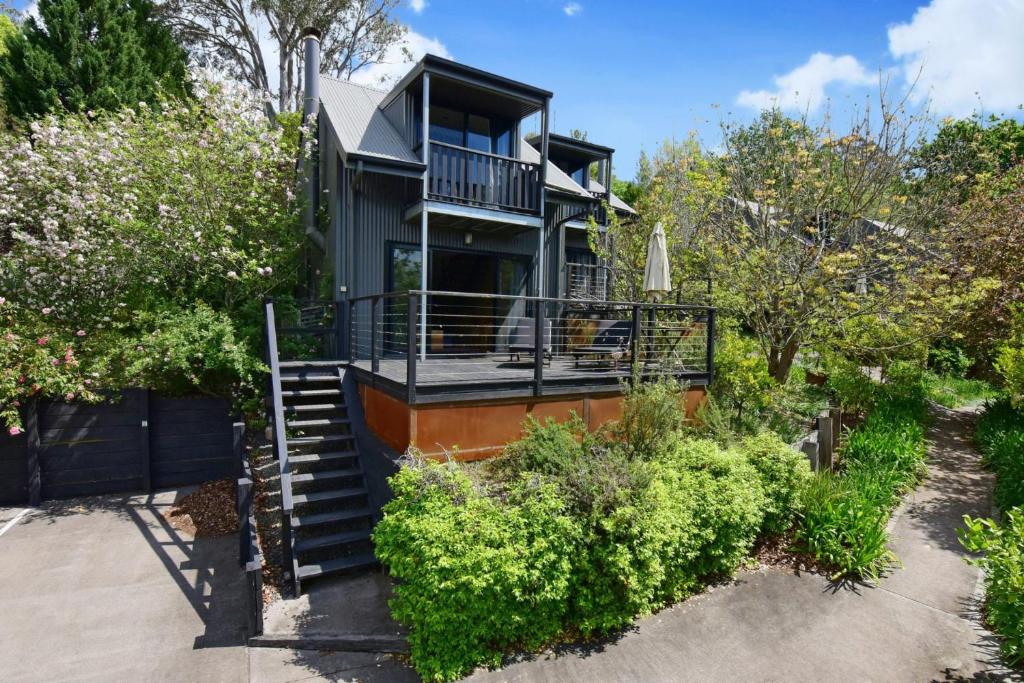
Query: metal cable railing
pixel 472 342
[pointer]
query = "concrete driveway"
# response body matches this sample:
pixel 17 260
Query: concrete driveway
pixel 104 589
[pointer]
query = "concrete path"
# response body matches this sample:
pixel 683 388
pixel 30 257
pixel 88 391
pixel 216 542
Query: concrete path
pixel 919 624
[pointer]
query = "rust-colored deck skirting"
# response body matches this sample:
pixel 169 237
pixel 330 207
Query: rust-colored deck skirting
pixel 478 430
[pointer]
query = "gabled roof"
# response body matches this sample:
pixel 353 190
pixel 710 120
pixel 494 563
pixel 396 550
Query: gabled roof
pixel 354 112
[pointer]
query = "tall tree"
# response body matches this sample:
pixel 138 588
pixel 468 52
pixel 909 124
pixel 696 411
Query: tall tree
pixel 228 35
pixel 90 54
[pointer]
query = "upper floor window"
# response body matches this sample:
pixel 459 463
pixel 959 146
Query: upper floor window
pixel 579 173
pixel 482 133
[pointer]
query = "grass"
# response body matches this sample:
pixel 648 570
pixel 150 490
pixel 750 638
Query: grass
pixel 954 392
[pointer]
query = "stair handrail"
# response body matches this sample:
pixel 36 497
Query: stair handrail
pixel 280 441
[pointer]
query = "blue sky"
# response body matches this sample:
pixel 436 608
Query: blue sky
pixel 635 73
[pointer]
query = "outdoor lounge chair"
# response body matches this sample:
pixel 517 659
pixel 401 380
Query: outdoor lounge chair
pixel 611 341
pixel 522 339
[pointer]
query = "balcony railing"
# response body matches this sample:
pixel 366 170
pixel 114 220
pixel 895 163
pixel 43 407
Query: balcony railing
pixel 481 345
pixel 587 282
pixel 466 176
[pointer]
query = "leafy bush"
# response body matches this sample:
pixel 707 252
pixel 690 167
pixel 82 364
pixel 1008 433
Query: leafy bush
pixel 1003 562
pixel 190 350
pixel 582 534
pixel 697 517
pixel 110 219
pixel 1000 438
pixel 1010 359
pixel 854 390
pixel 742 382
pixel 784 474
pixel 843 526
pixel 845 515
pixel 947 358
pixel 652 413
pixel 548 447
pixel 475 576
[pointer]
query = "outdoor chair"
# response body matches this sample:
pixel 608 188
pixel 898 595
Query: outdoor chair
pixel 522 340
pixel 611 341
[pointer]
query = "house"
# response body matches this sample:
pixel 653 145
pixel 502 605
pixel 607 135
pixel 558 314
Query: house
pixel 457 293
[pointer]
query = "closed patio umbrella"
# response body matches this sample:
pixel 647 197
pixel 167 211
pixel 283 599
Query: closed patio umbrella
pixel 657 279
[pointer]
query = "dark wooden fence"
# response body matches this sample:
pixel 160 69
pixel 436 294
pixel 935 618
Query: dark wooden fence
pixel 139 442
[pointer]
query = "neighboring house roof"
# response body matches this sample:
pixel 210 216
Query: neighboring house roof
pixel 613 199
pixel 362 129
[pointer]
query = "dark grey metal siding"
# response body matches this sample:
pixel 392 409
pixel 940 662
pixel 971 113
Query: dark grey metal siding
pixel 13 468
pixel 557 237
pixel 378 210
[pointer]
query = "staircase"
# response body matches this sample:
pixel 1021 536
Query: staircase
pixel 326 507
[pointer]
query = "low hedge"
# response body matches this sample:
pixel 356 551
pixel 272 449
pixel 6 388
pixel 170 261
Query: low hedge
pixel 598 536
pixel 1000 438
pixel 845 515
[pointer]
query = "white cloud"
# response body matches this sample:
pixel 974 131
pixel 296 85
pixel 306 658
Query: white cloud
pixel 418 5
pixel 964 54
pixel 572 9
pixel 399 59
pixel 805 85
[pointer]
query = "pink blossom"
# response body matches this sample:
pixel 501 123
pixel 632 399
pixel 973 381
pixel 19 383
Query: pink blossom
pixel 80 333
pixel 21 379
pixel 14 431
pixel 56 362
pixel 47 310
pixel 69 396
pixel 43 341
pixel 2 301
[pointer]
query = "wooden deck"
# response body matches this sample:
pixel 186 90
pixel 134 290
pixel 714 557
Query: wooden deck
pixel 495 376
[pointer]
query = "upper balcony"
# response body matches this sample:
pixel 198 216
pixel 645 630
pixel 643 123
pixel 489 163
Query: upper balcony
pixel 466 126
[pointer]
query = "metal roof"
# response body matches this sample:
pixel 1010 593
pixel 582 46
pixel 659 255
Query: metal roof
pixel 361 126
pixel 556 177
pixel 613 199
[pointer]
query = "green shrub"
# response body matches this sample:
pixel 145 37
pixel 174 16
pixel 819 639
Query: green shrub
pixel 843 525
pixel 854 390
pixel 652 413
pixel 1010 359
pixel 784 473
pixel 547 447
pixel 475 576
pixel 1000 438
pixel 1003 562
pixel 947 358
pixel 697 517
pixel 845 515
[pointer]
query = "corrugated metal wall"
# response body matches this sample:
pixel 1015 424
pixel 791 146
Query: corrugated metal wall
pixel 378 207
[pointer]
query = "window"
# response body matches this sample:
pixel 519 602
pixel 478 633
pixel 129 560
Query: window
pixel 580 176
pixel 447 126
pixel 478 133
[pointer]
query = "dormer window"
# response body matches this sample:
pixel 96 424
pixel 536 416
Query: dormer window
pixel 578 171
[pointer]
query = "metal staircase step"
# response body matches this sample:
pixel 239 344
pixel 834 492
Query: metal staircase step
pixel 314 407
pixel 326 475
pixel 326 496
pixel 322 518
pixel 337 565
pixel 314 458
pixel 319 438
pixel 309 377
pixel 329 540
pixel 311 363
pixel 309 393
pixel 318 422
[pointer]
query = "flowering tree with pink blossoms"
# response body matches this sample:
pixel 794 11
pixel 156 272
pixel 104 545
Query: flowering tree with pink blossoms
pixel 114 223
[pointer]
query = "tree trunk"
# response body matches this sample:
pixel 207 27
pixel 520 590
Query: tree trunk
pixel 780 360
pixel 283 67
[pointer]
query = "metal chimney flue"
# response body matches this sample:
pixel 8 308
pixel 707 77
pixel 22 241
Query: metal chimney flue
pixel 310 107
